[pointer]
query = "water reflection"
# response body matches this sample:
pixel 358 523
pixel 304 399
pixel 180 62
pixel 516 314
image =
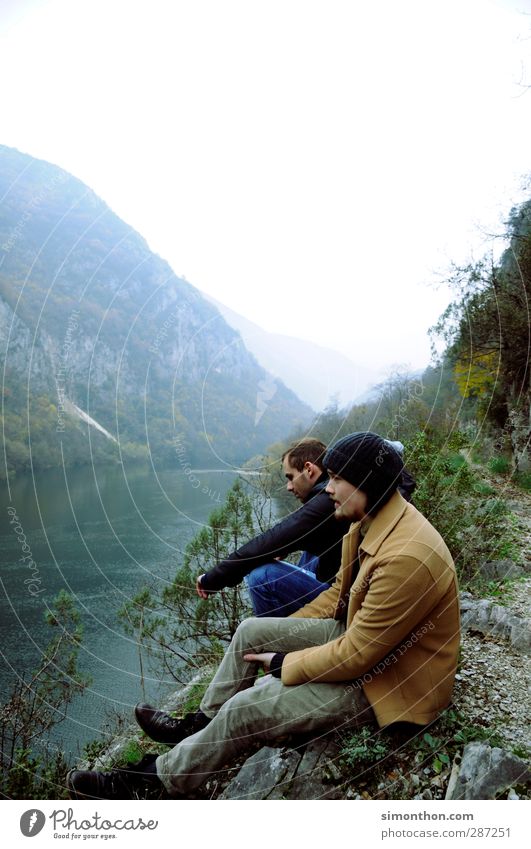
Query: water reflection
pixel 100 534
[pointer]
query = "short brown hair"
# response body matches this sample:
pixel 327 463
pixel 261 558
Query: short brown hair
pixel 303 451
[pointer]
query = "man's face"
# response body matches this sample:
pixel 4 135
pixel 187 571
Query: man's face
pixel 349 501
pixel 299 483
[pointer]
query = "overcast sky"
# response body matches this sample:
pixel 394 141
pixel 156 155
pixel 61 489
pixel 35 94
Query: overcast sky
pixel 313 165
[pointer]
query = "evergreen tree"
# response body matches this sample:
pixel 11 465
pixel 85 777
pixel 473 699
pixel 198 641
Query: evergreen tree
pixel 37 704
pixel 180 629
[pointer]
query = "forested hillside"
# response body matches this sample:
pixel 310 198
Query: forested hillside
pixel 91 320
pixel 479 384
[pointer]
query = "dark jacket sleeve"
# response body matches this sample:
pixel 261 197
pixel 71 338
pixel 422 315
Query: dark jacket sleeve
pixel 291 534
pixel 407 485
pixel 275 667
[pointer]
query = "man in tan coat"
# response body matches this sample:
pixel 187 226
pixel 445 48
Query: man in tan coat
pixel 380 646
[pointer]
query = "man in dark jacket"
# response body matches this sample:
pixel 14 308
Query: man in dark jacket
pixel 278 588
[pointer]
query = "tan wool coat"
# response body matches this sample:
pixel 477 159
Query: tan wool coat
pixel 402 618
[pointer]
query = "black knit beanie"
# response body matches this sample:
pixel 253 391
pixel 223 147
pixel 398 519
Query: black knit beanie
pixel 368 462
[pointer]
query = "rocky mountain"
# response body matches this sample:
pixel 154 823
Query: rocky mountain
pixel 105 351
pixel 317 374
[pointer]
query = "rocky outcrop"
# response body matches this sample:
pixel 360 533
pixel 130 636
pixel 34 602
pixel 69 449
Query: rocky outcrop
pixel 489 618
pixel 501 570
pixel 486 773
pixel 308 772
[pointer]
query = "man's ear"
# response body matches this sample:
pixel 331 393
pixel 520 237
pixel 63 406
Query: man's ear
pixel 311 469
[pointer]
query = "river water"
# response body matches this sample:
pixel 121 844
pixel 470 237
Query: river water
pixel 100 534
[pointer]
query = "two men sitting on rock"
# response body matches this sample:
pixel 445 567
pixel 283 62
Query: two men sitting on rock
pixel 379 646
pixel 278 588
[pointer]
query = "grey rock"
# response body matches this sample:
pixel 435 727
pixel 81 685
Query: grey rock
pixel 263 773
pixel 317 776
pixel 486 772
pixel 489 618
pixel 285 773
pixel 496 570
pixel 454 775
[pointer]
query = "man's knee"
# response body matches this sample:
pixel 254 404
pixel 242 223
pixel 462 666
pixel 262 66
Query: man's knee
pixel 252 710
pixel 254 633
pixel 248 630
pixel 259 577
pixel 244 628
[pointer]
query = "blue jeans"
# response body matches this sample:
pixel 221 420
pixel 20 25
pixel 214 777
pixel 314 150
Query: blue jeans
pixel 280 588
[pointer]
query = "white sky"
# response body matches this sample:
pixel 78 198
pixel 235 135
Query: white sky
pixel 311 164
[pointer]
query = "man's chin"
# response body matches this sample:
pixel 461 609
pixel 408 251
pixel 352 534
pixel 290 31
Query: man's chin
pixel 341 513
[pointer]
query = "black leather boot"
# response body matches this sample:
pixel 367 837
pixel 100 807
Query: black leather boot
pixel 132 782
pixel 163 728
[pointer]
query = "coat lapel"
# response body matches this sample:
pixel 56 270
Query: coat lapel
pixel 349 556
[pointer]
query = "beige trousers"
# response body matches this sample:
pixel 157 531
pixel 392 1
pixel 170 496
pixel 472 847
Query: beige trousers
pixel 244 712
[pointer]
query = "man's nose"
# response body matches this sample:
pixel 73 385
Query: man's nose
pixel 289 486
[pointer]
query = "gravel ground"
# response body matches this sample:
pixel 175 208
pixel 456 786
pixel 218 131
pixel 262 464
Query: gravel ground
pixel 493 683
pixel 492 688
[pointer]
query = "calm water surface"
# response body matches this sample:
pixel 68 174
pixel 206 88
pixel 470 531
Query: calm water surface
pixel 100 534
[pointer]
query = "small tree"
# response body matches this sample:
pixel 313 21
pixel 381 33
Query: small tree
pixel 38 704
pixel 178 628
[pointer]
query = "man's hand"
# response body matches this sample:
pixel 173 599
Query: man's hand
pixel 264 659
pixel 200 591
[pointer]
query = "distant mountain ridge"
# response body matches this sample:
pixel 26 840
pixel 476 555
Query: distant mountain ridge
pixel 317 374
pixel 94 326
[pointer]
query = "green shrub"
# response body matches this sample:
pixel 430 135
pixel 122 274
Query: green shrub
pixel 29 768
pixel 131 754
pixel 182 632
pixel 194 695
pixel 499 465
pixel 475 525
pixel 36 777
pixel 523 480
pixel 93 750
pixel 364 748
